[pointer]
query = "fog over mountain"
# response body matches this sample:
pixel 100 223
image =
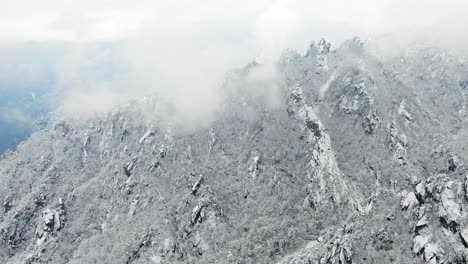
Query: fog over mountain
pixel 102 53
pixel 287 132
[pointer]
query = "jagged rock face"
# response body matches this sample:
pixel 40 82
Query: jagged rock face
pixel 361 162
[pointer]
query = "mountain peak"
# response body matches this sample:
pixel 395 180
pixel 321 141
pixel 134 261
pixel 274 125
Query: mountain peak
pixel 358 160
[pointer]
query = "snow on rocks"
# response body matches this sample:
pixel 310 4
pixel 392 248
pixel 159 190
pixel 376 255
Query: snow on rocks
pixel 340 253
pixel 464 236
pixel 440 226
pixel 421 191
pixel 453 163
pixel 354 99
pixel 133 206
pixel 189 153
pixel 168 137
pixel 409 201
pixel 129 166
pixel 162 151
pixel 253 167
pixel 48 219
pixel 147 135
pixel 419 242
pixel 397 143
pixel 403 112
pixel 319 53
pixel 338 250
pixel 296 94
pixel 51 221
pixel 204 208
pixel 422 222
pixel 85 144
pixel 325 171
pixel 7 203
pixel 371 122
pixel 465 186
pixel 432 252
pixel 323 49
pixel 212 140
pixel 325 179
pixel 197 185
pixel 154 165
pixel 450 212
pixel 428 250
pixel 196 212
pixel 335 250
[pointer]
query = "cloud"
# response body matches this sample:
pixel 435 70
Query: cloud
pixel 180 50
pixel 106 19
pixel 16 116
pixel 182 61
pixel 275 28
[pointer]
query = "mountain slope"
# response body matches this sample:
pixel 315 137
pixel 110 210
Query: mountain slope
pixel 360 160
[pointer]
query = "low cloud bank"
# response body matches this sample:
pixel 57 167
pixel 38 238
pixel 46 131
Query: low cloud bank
pixel 180 52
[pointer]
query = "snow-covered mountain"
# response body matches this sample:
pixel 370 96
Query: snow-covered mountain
pixel 361 161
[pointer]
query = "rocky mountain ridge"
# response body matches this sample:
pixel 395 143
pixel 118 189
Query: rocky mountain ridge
pixel 361 162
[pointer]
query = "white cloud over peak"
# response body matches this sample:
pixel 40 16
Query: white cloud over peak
pixel 181 49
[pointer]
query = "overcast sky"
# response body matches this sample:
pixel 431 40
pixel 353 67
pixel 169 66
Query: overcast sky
pixel 181 48
pixel 262 27
pixel 89 20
